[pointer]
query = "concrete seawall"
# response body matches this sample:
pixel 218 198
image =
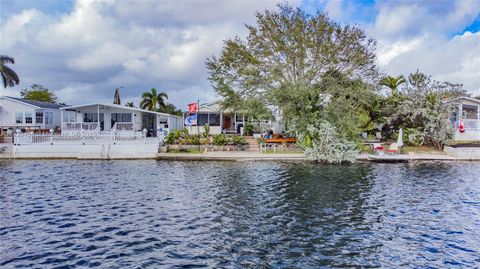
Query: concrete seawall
pixel 101 151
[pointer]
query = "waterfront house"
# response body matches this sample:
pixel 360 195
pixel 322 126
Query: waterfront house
pixel 105 118
pixel 23 114
pixel 226 121
pixel 469 112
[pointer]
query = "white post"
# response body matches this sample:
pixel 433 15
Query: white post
pixel 51 136
pixel 235 122
pixel 460 116
pixel 98 118
pixel 145 136
pixel 61 118
pixel 478 117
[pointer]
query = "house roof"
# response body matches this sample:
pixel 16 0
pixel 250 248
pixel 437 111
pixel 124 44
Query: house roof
pixel 36 104
pixel 463 98
pixel 117 106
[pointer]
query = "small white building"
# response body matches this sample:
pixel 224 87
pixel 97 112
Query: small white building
pixel 105 118
pixel 469 112
pixel 24 114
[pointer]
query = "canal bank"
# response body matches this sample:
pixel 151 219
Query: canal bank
pixel 146 151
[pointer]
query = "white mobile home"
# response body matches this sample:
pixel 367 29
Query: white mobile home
pixel 468 112
pixel 24 114
pixel 228 122
pixel 121 119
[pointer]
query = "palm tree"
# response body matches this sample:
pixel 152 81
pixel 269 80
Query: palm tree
pixel 9 77
pixel 151 99
pixel 393 83
pixel 129 104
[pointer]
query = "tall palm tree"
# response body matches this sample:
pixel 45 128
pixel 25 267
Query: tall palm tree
pixel 152 98
pixel 393 83
pixel 9 77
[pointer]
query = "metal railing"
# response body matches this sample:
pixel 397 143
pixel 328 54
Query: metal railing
pixel 77 126
pixel 83 138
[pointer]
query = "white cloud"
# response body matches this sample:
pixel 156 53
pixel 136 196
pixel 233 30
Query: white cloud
pixel 101 45
pixel 419 35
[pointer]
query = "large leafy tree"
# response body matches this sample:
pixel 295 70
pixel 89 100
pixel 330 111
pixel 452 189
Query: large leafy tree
pixel 37 92
pixel 152 98
pixel 9 77
pixel 284 61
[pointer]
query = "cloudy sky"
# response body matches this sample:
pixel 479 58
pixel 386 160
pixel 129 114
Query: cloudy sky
pixel 83 50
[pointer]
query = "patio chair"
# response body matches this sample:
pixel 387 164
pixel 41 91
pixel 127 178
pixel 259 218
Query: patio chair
pixel 378 148
pixel 393 149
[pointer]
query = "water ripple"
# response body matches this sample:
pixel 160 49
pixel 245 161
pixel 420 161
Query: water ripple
pixel 148 214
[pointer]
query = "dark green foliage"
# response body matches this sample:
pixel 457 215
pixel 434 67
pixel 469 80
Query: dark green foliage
pixel 152 98
pixel 238 140
pixel 248 129
pixel 9 77
pixel 219 140
pixel 40 93
pixel 290 63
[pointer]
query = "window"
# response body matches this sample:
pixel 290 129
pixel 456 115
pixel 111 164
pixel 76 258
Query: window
pixel 28 117
pixel 48 117
pixel 69 116
pixel 214 119
pixel 122 117
pixel 202 119
pixel 19 117
pixel 90 117
pixel 39 117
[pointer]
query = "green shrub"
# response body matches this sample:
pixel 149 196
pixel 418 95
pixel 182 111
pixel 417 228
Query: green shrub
pixel 238 140
pixel 206 131
pixel 192 140
pixel 173 137
pixel 248 129
pixel 219 140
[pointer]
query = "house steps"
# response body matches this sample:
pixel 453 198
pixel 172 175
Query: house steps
pixel 252 144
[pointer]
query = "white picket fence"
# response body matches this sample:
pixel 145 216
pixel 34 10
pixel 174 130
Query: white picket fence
pixel 84 138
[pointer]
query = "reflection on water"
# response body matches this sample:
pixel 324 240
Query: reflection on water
pixel 123 214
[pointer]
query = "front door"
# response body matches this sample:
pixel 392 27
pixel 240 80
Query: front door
pixel 227 122
pixel 148 122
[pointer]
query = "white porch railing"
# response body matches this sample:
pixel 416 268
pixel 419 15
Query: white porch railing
pixel 125 126
pixel 469 124
pixel 77 126
pixel 83 138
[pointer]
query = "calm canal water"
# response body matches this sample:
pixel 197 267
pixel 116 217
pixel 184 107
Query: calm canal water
pixel 148 214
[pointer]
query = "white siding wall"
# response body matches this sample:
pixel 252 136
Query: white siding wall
pixel 8 109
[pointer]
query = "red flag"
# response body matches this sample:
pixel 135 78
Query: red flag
pixel 192 108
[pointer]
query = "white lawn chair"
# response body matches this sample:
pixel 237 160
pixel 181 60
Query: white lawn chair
pixel 393 149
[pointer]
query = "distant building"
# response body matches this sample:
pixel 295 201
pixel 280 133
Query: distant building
pixel 468 111
pixel 24 114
